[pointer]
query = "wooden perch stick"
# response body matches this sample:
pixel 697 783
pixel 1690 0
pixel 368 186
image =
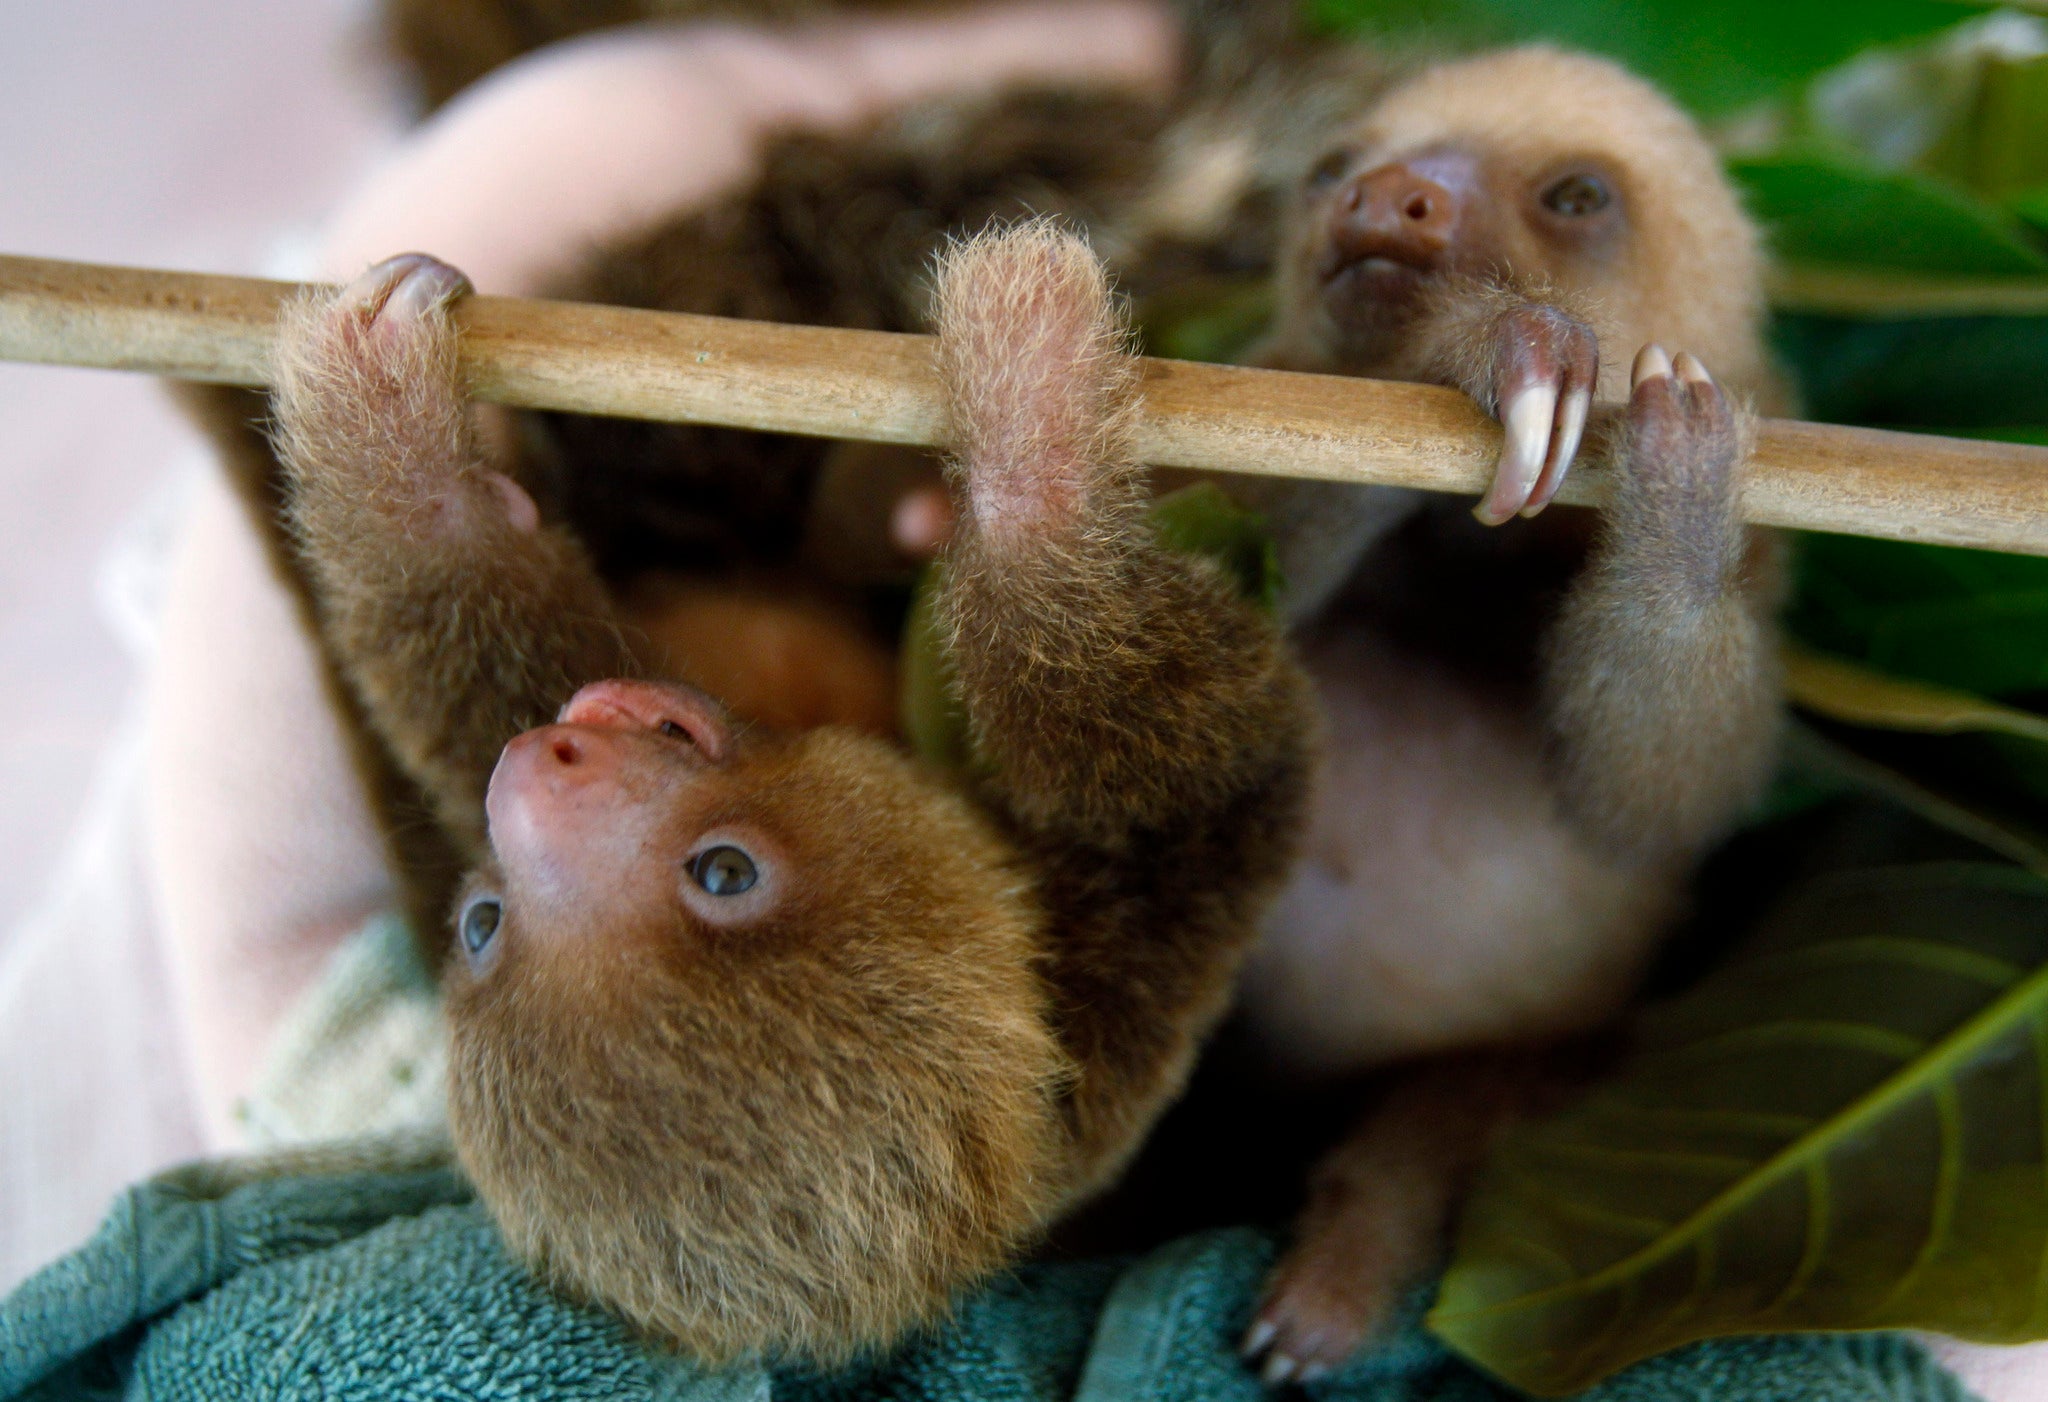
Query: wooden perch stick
pixel 880 387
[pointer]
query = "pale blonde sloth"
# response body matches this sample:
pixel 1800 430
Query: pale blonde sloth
pixel 1534 733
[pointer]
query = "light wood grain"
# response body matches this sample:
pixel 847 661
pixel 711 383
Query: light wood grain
pixel 881 387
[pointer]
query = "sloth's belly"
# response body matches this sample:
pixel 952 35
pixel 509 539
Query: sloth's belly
pixel 1441 901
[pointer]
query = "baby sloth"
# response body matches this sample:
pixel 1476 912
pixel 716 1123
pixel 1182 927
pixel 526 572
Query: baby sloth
pixel 774 1041
pixel 1519 784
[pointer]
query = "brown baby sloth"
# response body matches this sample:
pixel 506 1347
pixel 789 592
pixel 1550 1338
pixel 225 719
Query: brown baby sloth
pixel 773 1041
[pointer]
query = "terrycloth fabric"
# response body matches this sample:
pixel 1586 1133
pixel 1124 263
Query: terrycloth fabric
pixel 375 1275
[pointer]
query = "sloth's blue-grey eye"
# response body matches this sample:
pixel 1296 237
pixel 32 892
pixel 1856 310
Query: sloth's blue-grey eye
pixel 724 871
pixel 1331 168
pixel 479 923
pixel 1577 195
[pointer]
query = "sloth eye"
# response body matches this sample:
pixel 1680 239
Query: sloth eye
pixel 479 925
pixel 724 871
pixel 672 730
pixel 1330 169
pixel 1577 195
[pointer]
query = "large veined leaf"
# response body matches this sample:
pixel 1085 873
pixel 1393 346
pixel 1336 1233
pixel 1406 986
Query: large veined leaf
pixel 1843 1129
pixel 1715 55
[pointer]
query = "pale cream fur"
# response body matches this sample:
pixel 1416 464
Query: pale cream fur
pixel 1693 276
pixel 1449 899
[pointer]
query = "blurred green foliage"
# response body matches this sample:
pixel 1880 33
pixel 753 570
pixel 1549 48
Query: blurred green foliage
pixel 1823 207
pixel 1715 56
pixel 1967 619
pixel 1978 376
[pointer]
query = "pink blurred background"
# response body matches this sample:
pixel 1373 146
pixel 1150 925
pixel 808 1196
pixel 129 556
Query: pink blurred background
pixel 204 135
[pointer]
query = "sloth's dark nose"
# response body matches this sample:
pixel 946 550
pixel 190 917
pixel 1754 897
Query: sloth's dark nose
pixel 1395 212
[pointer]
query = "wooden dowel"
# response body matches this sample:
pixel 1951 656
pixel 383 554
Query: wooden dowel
pixel 880 387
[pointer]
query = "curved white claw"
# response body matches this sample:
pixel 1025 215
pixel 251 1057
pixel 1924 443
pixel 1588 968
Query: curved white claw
pixel 1279 1368
pixel 1651 363
pixel 1528 421
pixel 1571 428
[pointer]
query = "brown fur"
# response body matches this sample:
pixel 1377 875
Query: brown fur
pixel 800 1141
pixel 1672 616
pixel 1689 273
pixel 801 1134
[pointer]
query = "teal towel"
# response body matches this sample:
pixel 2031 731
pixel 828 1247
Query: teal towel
pixel 227 1283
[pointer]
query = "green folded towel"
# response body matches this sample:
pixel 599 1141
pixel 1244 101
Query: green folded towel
pixel 376 1275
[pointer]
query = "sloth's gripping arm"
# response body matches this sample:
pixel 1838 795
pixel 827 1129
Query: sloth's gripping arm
pixel 1660 685
pixel 1139 728
pixel 458 617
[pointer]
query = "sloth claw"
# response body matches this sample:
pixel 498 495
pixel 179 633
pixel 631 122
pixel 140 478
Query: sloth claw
pixel 1528 420
pixel 1571 429
pixel 404 288
pixel 1674 396
pixel 1548 362
pixel 399 359
pixel 1690 370
pixel 1319 1306
pixel 1651 364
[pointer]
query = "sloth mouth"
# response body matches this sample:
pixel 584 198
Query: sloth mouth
pixel 679 713
pixel 1370 274
pixel 1368 296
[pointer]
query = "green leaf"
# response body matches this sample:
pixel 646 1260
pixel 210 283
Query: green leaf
pixel 1969 620
pixel 1843 691
pixel 1985 768
pixel 2031 206
pixel 1885 293
pixel 1944 373
pixel 1203 520
pixel 1842 1130
pixel 1714 55
pixel 1829 209
pixel 933 720
pixel 1820 766
pixel 1208 319
pixel 1999 146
